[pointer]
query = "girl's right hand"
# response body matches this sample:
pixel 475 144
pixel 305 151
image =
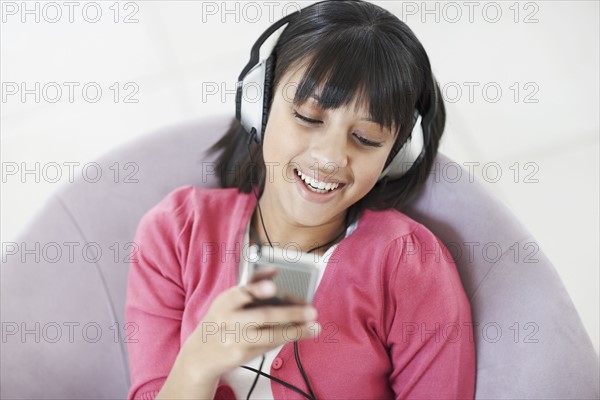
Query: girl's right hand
pixel 231 335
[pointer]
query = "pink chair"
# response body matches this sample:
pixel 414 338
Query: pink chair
pixel 63 332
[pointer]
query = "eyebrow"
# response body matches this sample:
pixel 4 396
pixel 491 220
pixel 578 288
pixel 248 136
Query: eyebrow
pixel 318 99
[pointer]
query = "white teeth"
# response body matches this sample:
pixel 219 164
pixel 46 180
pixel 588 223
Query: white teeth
pixel 317 186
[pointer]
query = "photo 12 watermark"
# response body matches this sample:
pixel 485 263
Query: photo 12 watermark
pixel 71 92
pixel 291 252
pixel 69 171
pixel 468 252
pixel 452 332
pixel 453 12
pixel 247 11
pixel 490 92
pixel 52 12
pixel 70 252
pixel 253 332
pixel 68 332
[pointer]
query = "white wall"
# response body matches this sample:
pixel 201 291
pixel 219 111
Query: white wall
pixel 170 51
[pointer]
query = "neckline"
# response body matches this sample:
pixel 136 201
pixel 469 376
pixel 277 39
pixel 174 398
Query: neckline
pixel 348 229
pixel 251 204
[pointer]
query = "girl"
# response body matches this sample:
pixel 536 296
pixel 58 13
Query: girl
pixel 349 125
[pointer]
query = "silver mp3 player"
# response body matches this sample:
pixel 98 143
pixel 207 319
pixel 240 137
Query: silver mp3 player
pixel 296 277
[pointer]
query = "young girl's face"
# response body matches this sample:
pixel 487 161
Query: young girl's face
pixel 338 151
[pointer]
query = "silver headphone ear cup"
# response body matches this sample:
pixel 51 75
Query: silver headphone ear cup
pixel 250 100
pixel 267 93
pixel 409 154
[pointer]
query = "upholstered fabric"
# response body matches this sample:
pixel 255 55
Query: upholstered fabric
pixel 63 282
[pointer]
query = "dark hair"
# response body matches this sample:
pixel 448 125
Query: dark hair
pixel 351 48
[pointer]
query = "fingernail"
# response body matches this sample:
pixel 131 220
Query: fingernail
pixel 267 287
pixel 310 313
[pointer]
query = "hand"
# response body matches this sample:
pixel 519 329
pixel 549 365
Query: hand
pixel 231 334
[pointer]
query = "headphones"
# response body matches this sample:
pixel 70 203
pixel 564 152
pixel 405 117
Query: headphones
pixel 252 113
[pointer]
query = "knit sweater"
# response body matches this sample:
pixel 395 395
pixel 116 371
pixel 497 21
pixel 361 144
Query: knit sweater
pixel 396 322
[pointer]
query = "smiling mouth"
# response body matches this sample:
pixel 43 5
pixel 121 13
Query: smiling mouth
pixel 318 186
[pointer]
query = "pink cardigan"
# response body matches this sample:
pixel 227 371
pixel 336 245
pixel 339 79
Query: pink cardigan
pixel 396 322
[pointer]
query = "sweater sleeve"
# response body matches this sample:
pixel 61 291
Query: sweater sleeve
pixel 430 335
pixel 155 296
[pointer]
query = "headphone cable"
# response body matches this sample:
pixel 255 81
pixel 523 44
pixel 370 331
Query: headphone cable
pixel 256 378
pixel 299 364
pixel 281 382
pixel 296 355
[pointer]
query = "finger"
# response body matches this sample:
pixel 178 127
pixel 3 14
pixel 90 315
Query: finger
pixel 281 299
pixel 261 289
pixel 239 296
pixel 276 314
pixel 263 273
pixel 265 339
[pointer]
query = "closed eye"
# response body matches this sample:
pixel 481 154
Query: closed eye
pixel 306 119
pixel 364 141
pixel 367 142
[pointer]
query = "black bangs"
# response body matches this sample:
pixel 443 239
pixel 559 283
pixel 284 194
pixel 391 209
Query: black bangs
pixel 354 57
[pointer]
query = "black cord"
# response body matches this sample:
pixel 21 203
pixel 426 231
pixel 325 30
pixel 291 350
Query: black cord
pixel 252 136
pixel 284 383
pixel 256 378
pixel 259 371
pixel 299 364
pixel 330 242
pixel 296 352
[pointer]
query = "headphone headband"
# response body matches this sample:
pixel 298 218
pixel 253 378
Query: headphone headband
pixel 255 52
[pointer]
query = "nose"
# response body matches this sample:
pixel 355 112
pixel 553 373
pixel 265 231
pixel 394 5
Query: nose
pixel 329 148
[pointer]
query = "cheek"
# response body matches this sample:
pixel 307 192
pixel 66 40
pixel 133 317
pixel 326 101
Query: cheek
pixel 282 142
pixel 268 145
pixel 364 180
pixel 370 168
pixel 272 140
pixel 275 131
